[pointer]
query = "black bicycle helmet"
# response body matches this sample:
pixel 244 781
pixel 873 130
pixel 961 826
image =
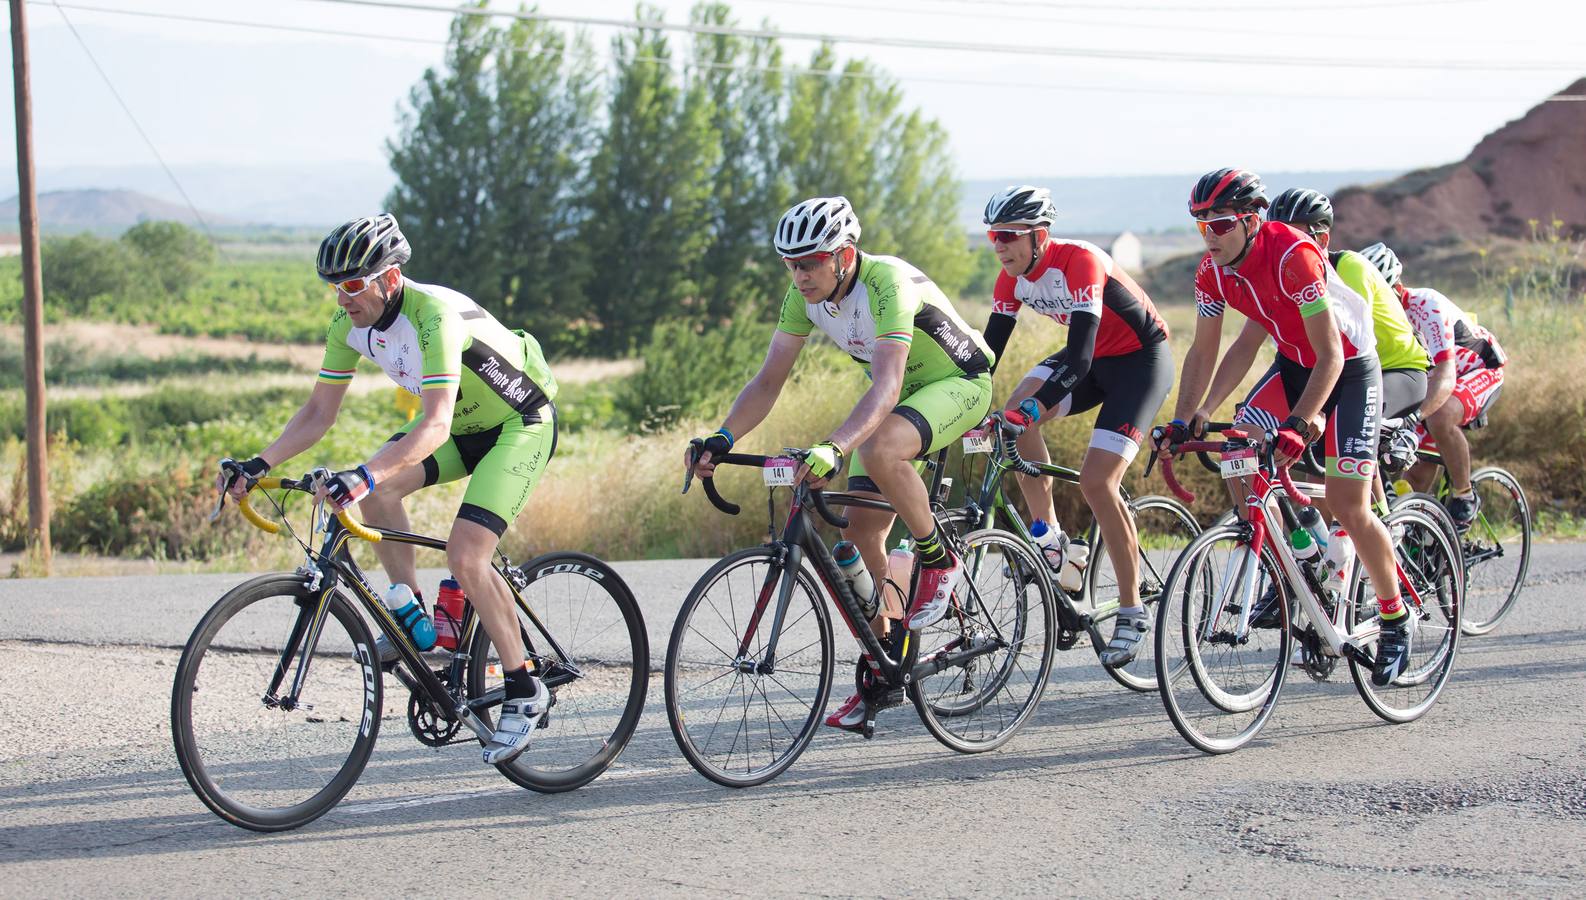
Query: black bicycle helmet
pixel 362 247
pixel 1303 207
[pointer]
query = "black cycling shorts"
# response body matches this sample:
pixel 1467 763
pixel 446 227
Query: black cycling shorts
pixel 1353 410
pixel 1130 390
pixel 1403 391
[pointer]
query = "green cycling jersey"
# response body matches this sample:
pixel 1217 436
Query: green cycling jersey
pixel 436 337
pixel 1397 347
pixel 893 301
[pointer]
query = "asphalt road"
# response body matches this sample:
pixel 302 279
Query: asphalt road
pixel 1098 794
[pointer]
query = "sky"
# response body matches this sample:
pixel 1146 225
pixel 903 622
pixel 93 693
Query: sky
pixel 1018 102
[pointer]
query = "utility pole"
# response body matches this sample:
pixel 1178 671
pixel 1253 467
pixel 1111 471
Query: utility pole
pixel 32 295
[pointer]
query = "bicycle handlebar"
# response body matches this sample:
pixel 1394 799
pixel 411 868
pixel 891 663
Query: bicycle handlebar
pixel 1201 448
pixel 1006 432
pixel 270 482
pixel 756 460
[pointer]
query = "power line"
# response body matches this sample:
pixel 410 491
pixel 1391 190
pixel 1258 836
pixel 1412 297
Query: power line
pixel 1261 9
pixel 804 72
pixel 110 85
pixel 968 47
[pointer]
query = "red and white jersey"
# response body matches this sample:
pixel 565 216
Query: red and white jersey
pixel 1282 281
pixel 1445 330
pixel 1079 277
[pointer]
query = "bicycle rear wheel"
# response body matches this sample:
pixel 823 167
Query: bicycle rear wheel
pixel 1163 528
pixel 1220 686
pixel 1497 550
pixel 591 648
pixel 1430 561
pixel 739 721
pixel 264 759
pixel 998 636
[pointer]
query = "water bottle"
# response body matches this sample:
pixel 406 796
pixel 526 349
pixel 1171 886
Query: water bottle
pixel 900 565
pixel 409 613
pixel 1051 540
pixel 449 601
pixel 1075 556
pixel 859 578
pixel 1336 562
pixel 1308 539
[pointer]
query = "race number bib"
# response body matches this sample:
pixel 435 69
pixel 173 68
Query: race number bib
pixel 778 471
pixel 1239 463
pixel 977 440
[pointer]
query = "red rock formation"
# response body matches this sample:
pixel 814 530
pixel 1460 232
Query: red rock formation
pixel 1531 168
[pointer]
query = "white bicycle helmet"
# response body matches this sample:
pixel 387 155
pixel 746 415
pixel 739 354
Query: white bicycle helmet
pixel 818 225
pixel 1386 261
pixel 1021 204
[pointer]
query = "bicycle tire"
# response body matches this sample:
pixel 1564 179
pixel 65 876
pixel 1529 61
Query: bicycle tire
pixel 976 719
pixel 693 649
pixel 225 674
pixel 593 716
pixel 1203 711
pixel 1476 618
pixel 1431 561
pixel 1156 561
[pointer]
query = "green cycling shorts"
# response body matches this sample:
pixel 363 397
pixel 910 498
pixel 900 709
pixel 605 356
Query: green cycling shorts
pixel 941 411
pixel 504 462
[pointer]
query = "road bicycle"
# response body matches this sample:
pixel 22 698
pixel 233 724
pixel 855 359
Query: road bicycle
pixel 1220 674
pixel 1163 525
pixel 749 667
pixel 1496 547
pixel 277 699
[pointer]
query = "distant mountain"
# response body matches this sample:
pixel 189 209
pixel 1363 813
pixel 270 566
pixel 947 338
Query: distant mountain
pixel 310 194
pixel 1139 203
pixel 1530 169
pixel 102 212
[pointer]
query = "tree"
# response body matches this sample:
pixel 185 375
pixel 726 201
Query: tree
pixel 84 273
pixel 177 256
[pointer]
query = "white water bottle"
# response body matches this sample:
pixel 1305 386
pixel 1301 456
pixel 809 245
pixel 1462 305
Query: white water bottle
pixel 1051 540
pixel 1075 556
pixel 859 579
pixel 900 565
pixel 1340 555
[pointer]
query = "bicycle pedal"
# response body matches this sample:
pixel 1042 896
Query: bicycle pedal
pixel 869 730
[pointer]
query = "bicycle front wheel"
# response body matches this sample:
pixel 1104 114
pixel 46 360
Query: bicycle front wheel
pixel 276 703
pixel 740 715
pixel 1163 528
pixel 1430 562
pixel 1497 550
pixel 585 637
pixel 994 647
pixel 1219 680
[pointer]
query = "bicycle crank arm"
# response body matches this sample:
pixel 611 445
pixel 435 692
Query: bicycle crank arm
pixel 940 662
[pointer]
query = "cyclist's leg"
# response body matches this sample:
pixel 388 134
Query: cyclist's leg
pixel 497 491
pixel 1473 393
pixel 1403 391
pixel 1264 409
pixel 1351 441
pixel 868 529
pixel 1135 386
pixel 1055 402
pixel 924 422
pixel 385 506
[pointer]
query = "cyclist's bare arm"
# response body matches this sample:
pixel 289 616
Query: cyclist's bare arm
pixel 304 429
pixel 886 383
pixel 1198 365
pixel 757 397
pixel 1329 348
pixel 425 438
pixel 1236 364
pixel 1439 387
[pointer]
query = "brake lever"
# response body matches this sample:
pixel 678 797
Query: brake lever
pixel 695 450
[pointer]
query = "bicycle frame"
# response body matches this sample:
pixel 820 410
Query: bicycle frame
pixel 896 666
pixel 334 566
pixel 1265 493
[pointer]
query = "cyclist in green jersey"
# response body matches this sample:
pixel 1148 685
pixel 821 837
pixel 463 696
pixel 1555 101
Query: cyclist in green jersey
pixel 930 381
pixel 486 394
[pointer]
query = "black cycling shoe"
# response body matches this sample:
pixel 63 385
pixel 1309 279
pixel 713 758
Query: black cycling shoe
pixel 1393 650
pixel 1265 613
pixel 1463 511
